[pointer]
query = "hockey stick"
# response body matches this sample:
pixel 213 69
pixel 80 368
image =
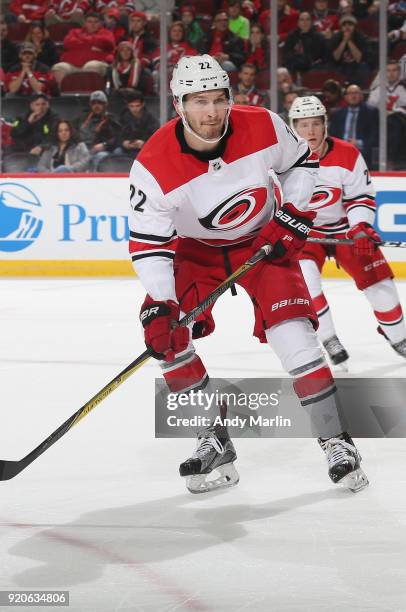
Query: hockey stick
pixel 348 241
pixel 9 469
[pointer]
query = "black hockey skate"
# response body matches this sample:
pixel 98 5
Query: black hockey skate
pixel 398 347
pixel 336 352
pixel 344 462
pixel 214 451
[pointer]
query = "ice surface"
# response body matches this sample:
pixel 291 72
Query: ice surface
pixel 104 514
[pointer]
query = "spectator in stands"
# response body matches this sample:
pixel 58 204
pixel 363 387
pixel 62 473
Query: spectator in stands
pixel 396 13
pixel 399 35
pixel 226 47
pixel 349 51
pixel 332 96
pixel 29 76
pixel 287 19
pixel 246 85
pixel 66 154
pixel 258 48
pixel 125 72
pixel 194 33
pixel 237 23
pixel 357 123
pixel 9 50
pixel 6 139
pixel 250 9
pixel 395 89
pixel 25 12
pixel 396 107
pixel 152 8
pixel 44 46
pixel 363 9
pixel 324 20
pixel 288 99
pixel 3 88
pixel 112 22
pixel 31 134
pixel 142 41
pixel 345 7
pixel 177 47
pixel 139 125
pixel 241 99
pixel 61 11
pixel 305 48
pixel 285 85
pixel 99 130
pixel 88 49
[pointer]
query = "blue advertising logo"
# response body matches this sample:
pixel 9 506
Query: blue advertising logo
pixel 391 215
pixel 20 212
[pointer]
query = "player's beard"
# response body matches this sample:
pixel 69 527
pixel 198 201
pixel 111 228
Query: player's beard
pixel 205 129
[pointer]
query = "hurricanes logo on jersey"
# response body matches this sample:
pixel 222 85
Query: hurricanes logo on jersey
pixel 324 196
pixel 239 209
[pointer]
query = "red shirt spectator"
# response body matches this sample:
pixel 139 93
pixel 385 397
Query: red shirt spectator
pixel 143 43
pixel 258 48
pixel 29 10
pixel 326 22
pixel 6 139
pixel 92 42
pixel 66 8
pixel 111 21
pixel 287 19
pixel 29 76
pixel 177 45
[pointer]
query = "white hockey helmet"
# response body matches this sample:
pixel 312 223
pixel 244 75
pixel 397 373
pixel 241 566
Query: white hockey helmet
pixel 307 106
pixel 197 73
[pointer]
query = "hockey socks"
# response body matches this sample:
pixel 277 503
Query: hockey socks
pixel 384 299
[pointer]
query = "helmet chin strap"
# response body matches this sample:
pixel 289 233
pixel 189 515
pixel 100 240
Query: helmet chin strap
pixel 189 129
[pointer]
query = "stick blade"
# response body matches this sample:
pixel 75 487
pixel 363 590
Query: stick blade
pixel 9 469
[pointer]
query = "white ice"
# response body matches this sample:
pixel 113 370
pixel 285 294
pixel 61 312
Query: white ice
pixel 104 514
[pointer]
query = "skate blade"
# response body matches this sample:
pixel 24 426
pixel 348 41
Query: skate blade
pixel 198 483
pixel 343 366
pixel 355 482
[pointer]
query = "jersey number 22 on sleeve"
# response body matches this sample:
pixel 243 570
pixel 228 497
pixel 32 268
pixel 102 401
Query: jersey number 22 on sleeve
pixel 137 206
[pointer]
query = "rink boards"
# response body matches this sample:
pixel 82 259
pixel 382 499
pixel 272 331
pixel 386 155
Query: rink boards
pixel 77 225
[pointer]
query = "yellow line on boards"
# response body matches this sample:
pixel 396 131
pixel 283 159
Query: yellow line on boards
pixel 71 267
pixel 118 267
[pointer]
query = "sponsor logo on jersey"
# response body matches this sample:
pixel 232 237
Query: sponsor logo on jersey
pixel 324 196
pixel 20 217
pixel 239 209
pixel 290 302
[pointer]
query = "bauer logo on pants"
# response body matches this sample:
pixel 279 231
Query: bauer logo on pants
pixel 20 217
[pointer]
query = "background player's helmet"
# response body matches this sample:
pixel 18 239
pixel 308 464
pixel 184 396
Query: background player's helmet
pixel 199 73
pixel 307 106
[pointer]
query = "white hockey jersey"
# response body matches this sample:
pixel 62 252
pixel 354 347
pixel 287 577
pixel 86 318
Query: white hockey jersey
pixel 219 199
pixel 344 194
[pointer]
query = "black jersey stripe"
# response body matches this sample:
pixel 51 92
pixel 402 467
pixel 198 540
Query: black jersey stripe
pixel 152 237
pixel 138 256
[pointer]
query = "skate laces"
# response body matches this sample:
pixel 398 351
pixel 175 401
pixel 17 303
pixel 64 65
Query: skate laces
pixel 337 450
pixel 333 345
pixel 206 443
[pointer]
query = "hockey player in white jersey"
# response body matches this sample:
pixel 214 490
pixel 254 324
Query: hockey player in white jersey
pixel 344 200
pixel 202 201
